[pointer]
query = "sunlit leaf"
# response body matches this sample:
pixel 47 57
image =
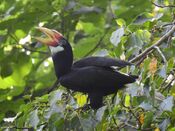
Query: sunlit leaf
pixel 121 22
pixel 81 99
pixel 127 100
pixel 157 129
pixel 172 129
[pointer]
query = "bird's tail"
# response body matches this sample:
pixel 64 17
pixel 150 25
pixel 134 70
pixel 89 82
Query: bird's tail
pixel 133 77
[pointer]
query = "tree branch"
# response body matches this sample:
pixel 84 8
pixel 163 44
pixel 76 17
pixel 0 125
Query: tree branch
pixel 32 50
pixel 25 47
pixel 56 84
pixel 158 43
pixel 111 10
pixel 163 6
pixel 167 86
pixel 46 90
pixel 161 54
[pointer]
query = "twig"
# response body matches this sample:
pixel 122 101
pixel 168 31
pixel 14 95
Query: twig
pixel 158 43
pixel 46 90
pixel 19 128
pixel 169 40
pixel 114 121
pixel 32 50
pixel 140 61
pixel 161 54
pixel 130 110
pixel 165 25
pixel 164 83
pixel 23 128
pixel 111 11
pixel 163 6
pixel 168 85
pixel 56 84
pixel 25 47
pixel 132 126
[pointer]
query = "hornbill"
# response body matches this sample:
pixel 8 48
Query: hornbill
pixel 92 75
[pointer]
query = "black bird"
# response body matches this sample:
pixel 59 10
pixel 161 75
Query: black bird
pixel 92 75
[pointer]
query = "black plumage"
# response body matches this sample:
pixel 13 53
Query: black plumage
pixel 101 61
pixel 92 75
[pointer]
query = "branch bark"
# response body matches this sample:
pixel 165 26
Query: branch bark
pixel 163 6
pixel 158 43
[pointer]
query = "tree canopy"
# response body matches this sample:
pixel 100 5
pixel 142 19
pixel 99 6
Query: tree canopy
pixel 138 31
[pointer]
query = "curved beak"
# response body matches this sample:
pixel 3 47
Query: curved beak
pixel 49 33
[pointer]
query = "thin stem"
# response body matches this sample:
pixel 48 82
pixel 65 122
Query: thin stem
pixel 158 43
pixel 161 54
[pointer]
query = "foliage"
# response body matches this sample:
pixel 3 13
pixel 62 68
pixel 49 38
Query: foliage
pixel 115 28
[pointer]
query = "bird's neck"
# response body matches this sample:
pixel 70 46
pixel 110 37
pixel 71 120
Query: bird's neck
pixel 63 61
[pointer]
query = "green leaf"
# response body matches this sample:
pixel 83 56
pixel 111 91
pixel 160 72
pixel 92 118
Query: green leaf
pixel 84 46
pixel 33 118
pixel 163 126
pixel 6 70
pixel 100 113
pixel 100 3
pixel 121 22
pixel 172 129
pixel 163 72
pixel 56 122
pixel 88 28
pixel 20 33
pixel 146 106
pixel 3 32
pixel 148 120
pixel 88 124
pixel 167 104
pixel 127 100
pixel 116 36
pixel 11 105
pixel 2 115
pixel 55 96
pixel 140 19
pixel 55 105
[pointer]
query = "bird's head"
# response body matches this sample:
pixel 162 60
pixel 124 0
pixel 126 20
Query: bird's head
pixel 53 39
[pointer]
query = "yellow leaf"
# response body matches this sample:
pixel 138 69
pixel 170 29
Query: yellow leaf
pixel 157 129
pixel 79 26
pixel 127 100
pixel 153 66
pixel 81 99
pixel 141 118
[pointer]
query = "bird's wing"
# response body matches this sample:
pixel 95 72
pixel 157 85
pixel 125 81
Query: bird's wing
pixel 95 79
pixel 100 61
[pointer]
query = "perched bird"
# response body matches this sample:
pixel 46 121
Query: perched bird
pixel 92 75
